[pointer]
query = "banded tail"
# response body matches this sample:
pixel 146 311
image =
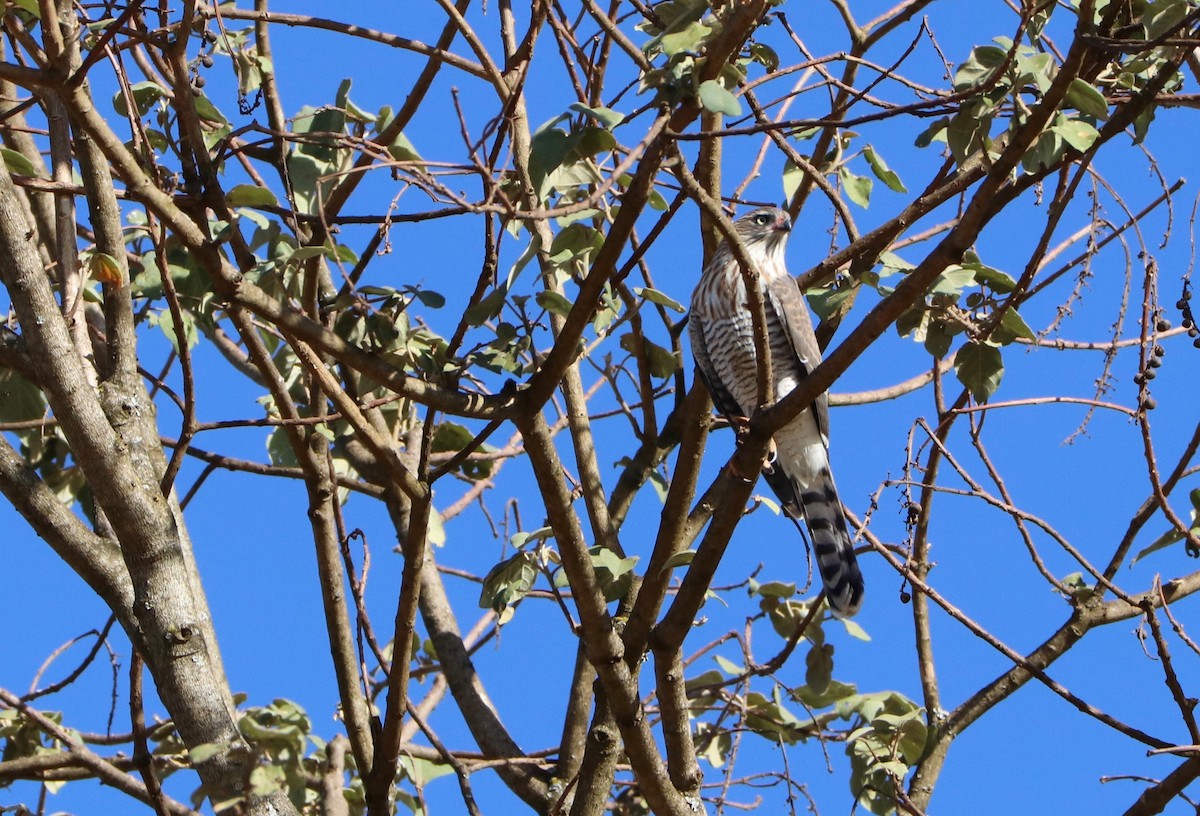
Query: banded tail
pixel 819 505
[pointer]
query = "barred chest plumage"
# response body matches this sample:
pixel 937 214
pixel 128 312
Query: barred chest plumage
pixel 720 312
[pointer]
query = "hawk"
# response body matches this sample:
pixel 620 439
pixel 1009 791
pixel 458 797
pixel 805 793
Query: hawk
pixel 722 335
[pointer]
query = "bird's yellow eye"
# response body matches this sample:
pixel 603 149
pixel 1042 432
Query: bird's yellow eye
pixel 762 219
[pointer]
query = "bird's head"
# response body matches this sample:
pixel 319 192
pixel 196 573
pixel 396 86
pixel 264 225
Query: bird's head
pixel 765 229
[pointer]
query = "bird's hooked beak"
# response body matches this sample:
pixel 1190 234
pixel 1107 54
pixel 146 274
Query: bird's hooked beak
pixel 783 223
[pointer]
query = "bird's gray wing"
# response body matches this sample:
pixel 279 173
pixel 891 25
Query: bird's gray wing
pixel 782 297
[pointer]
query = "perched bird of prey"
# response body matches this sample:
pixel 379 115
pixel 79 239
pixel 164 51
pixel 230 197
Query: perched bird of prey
pixel 722 333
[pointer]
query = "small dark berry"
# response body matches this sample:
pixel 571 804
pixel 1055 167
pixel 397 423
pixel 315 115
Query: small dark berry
pixel 1159 351
pixel 1187 294
pixel 195 90
pixel 198 82
pixel 1149 404
pixel 1148 374
pixel 1163 324
pixel 1138 379
pixel 1196 342
pixel 905 597
pixel 207 62
pixel 1187 323
pixel 1193 331
pixel 1154 362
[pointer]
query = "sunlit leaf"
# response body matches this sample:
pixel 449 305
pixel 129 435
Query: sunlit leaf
pixel 1014 325
pixel 106 269
pixel 1082 96
pixel 716 98
pixel 19 163
pixel 1078 134
pixel 792 176
pixel 250 195
pixel 607 117
pixel 882 171
pixel 655 296
pixel 144 95
pixel 508 582
pixel 858 188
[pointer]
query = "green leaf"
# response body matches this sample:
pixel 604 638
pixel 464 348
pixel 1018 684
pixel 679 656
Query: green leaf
pixel 787 616
pixel 20 400
pixel 834 692
pixel 999 282
pixel 936 132
pixel 422 771
pixel 980 368
pixel 613 573
pixel 167 325
pixel 30 7
pixel 207 750
pixel 774 589
pixel 979 66
pixel 487 308
pixel 768 503
pixel 792 176
pixel 250 195
pixel 1078 134
pixel 685 40
pixel 401 149
pixel 428 297
pixel 279 449
pixel 19 163
pixel 661 362
pixel 205 109
pixel 819 667
pixel 728 666
pixel 716 98
pixel 655 296
pixel 855 630
pixel 1014 326
pixel 858 188
pixel 1046 152
pixel 765 56
pixel 1086 99
pixel 1162 16
pixel 1173 536
pixel 882 171
pixel 435 530
pixel 939 336
pixel 450 437
pixel 953 280
pixel 553 302
pixel 682 558
pixel 144 94
pixel 607 117
pixel 507 583
pixel 968 131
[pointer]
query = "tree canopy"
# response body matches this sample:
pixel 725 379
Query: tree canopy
pixel 344 380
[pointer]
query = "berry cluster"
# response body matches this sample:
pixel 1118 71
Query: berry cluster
pixel 1154 360
pixel 1184 305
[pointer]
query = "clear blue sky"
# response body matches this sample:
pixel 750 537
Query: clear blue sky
pixel 1033 754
